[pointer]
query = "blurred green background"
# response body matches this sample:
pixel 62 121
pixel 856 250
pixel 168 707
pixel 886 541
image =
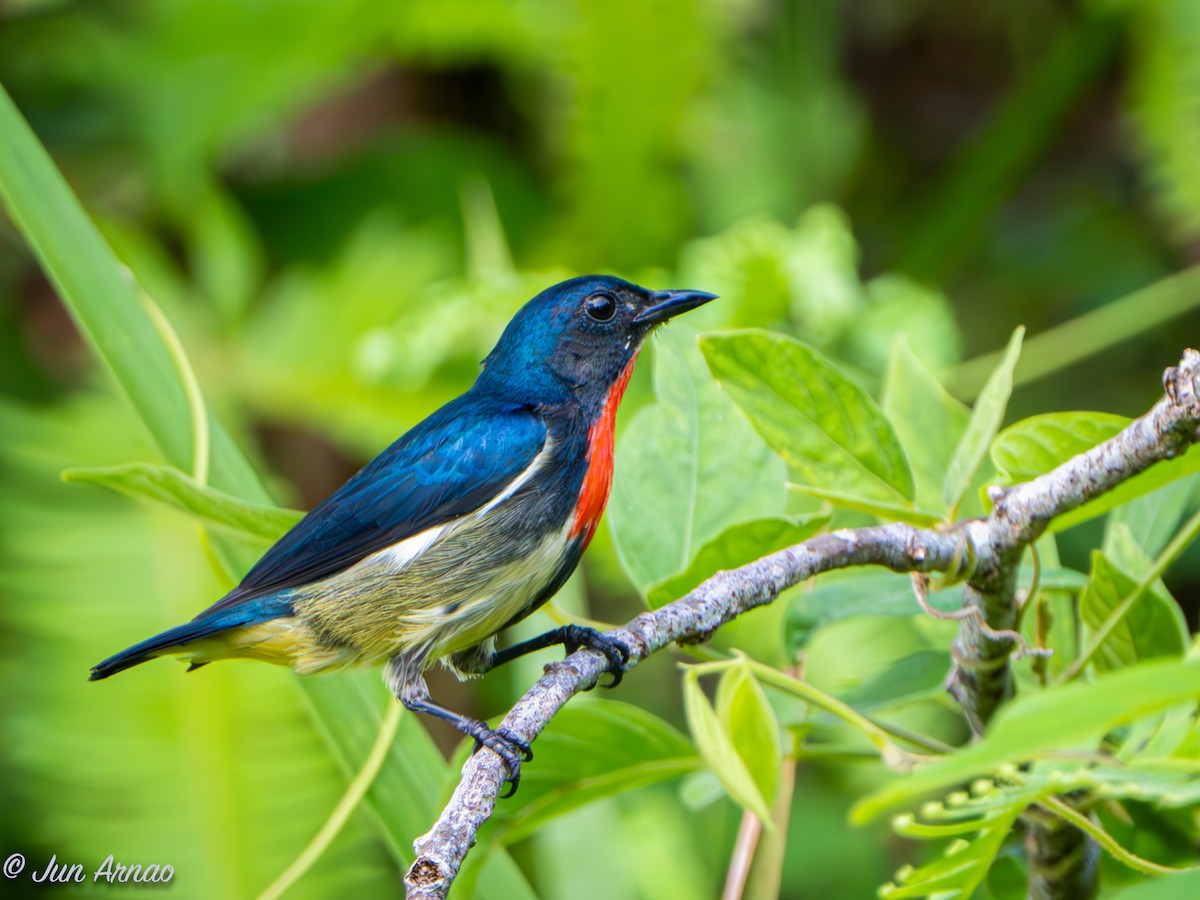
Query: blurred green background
pixel 339 205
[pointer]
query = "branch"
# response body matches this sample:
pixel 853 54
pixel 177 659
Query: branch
pixel 692 619
pixel 981 680
pixel 985 552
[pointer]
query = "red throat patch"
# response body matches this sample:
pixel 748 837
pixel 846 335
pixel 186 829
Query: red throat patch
pixel 597 481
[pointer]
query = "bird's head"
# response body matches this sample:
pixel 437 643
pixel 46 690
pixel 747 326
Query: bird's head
pixel 574 340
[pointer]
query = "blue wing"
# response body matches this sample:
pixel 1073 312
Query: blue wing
pixel 451 464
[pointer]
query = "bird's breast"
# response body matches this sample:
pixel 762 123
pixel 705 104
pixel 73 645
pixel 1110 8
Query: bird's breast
pixel 597 480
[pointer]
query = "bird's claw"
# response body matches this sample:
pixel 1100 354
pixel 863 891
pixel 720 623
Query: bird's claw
pixel 614 651
pixel 510 748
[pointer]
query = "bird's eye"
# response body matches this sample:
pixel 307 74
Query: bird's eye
pixel 601 307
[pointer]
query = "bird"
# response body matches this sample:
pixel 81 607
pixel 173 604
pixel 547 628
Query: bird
pixel 465 525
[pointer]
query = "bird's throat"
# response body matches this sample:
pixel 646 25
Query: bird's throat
pixel 597 481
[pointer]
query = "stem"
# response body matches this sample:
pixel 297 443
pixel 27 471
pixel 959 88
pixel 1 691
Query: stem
pixel 191 386
pixel 1096 330
pixel 355 791
pixel 893 756
pixel 743 854
pixel 1183 538
pixel 1085 824
pixel 1063 859
pixel 766 875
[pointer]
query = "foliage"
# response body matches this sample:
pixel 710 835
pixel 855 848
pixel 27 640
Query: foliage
pixel 305 225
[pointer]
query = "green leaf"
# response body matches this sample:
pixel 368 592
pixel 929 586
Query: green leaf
pixel 687 467
pixel 404 796
pixel 748 719
pixel 735 546
pixel 106 303
pixel 986 419
pixel 592 750
pixel 992 806
pixel 719 752
pixel 1039 444
pixel 168 485
pixel 223 252
pixel 1074 716
pixel 1153 518
pixel 929 422
pixel 875 592
pixel 892 512
pixel 963 865
pixel 827 428
pixel 1140 624
pixel 1185 886
pixel 893 661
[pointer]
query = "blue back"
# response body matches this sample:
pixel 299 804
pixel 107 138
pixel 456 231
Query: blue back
pixel 447 466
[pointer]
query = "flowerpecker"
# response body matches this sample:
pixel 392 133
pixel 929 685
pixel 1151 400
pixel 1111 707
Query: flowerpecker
pixel 462 527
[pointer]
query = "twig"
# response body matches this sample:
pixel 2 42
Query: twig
pixel 986 552
pixel 744 847
pixel 920 583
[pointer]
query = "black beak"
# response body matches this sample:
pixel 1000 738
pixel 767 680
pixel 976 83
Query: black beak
pixel 671 303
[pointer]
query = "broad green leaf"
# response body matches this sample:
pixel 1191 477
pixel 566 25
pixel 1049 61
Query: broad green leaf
pixel 1074 716
pixel 735 546
pixel 893 660
pixel 1140 624
pixel 877 592
pixel 1153 518
pixel 1122 550
pixel 1168 734
pixel 591 750
pixel 827 428
pixel 1039 444
pixel 1185 886
pixel 892 512
pixel 688 467
pixel 749 720
pixel 929 422
pixel 166 484
pixel 700 790
pixel 719 753
pixel 986 418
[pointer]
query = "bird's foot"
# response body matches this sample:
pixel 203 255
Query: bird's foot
pixel 510 748
pixel 617 654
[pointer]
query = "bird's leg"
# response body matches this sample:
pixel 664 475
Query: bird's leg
pixel 572 637
pixel 403 676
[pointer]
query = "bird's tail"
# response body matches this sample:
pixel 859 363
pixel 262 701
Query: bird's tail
pixel 182 638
